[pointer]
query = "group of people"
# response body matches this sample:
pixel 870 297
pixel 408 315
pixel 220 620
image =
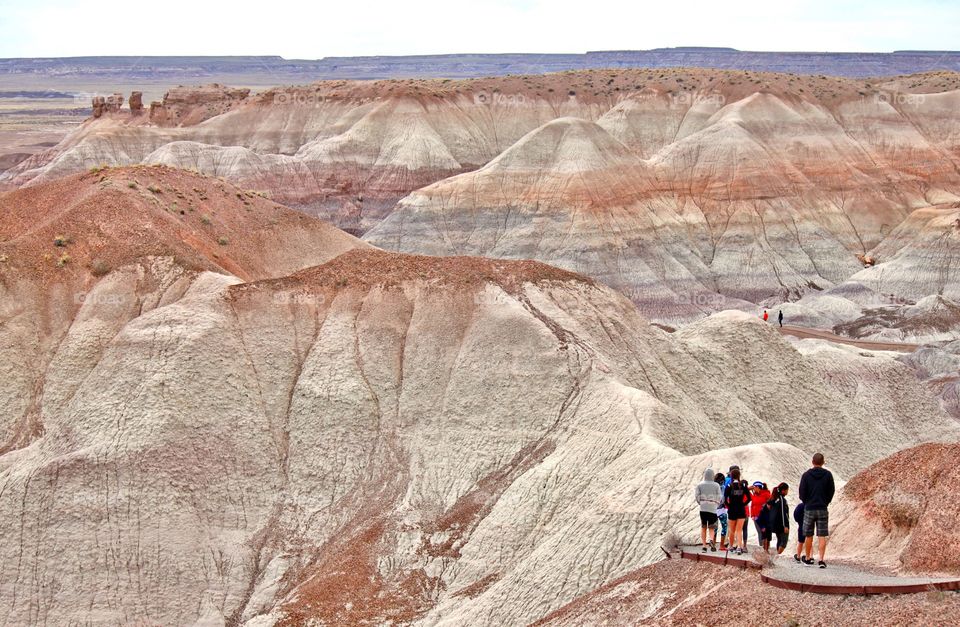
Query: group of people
pixel 730 500
pixel 766 316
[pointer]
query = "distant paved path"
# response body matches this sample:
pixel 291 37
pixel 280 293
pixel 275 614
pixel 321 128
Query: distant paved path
pixel 820 334
pixel 784 572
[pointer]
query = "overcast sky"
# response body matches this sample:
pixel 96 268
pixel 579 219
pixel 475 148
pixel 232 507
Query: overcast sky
pixel 311 30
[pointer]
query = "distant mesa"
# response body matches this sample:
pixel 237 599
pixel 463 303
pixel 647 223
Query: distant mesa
pixel 180 105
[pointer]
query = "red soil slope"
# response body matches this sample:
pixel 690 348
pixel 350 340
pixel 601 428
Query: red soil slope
pixel 914 492
pixel 681 592
pixel 102 219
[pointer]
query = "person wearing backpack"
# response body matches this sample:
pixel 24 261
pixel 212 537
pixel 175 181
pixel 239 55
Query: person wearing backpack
pixel 736 498
pixel 778 518
pixel 726 484
pixel 708 496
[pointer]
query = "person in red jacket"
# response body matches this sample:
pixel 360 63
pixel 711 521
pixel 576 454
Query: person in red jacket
pixel 759 495
pixel 766 316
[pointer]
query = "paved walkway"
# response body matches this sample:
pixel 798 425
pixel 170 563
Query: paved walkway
pixel 820 334
pixel 784 572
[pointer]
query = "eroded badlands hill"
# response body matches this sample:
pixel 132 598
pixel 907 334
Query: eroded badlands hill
pixel 690 190
pixel 82 256
pixel 400 438
pixel 901 505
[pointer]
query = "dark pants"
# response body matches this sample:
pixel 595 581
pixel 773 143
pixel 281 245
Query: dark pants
pixel 761 535
pixel 783 538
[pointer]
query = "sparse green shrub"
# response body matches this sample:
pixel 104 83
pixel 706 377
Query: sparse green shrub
pixel 154 189
pixel 223 241
pixel 132 185
pixel 63 260
pixel 205 219
pixel 61 241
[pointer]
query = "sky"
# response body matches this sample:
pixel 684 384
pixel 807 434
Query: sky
pixel 311 30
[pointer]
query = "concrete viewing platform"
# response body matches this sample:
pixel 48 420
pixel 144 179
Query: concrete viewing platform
pixel 783 571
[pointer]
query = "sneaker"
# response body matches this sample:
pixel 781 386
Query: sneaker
pixel 739 551
pixel 797 558
pixel 713 547
pixel 823 564
pixel 808 562
pixel 704 548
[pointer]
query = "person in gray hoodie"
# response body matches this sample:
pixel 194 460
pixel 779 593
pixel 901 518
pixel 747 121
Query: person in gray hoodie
pixel 708 497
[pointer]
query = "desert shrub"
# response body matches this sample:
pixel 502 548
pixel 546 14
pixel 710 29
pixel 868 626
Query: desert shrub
pixel 61 241
pixel 154 189
pixel 223 241
pixel 205 219
pixel 761 557
pixel 670 542
pixel 99 267
pixel 132 185
pixel 63 260
pixel 789 620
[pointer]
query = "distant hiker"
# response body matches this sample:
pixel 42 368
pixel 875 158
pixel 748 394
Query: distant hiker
pixel 816 492
pixel 720 479
pixel 708 496
pixel 736 497
pixel 766 316
pixel 798 517
pixel 778 518
pixel 759 495
pixel 780 318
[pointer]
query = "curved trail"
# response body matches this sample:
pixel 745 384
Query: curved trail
pixel 821 334
pixel 784 572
